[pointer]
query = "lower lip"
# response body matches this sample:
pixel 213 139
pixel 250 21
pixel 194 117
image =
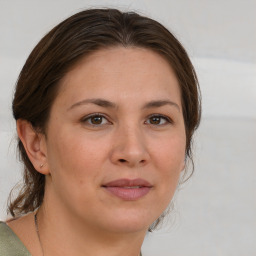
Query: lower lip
pixel 128 194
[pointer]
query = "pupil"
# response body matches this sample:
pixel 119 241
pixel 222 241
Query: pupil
pixel 155 120
pixel 97 120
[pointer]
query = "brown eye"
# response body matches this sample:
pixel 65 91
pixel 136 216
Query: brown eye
pixel 158 120
pixel 155 120
pixel 95 120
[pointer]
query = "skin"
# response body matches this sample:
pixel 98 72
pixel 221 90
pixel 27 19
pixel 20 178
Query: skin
pixel 81 153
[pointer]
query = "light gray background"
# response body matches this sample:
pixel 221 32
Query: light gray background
pixel 216 210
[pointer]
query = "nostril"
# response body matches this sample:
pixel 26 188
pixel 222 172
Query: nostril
pixel 124 161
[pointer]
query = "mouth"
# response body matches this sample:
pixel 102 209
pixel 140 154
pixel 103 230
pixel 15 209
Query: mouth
pixel 129 190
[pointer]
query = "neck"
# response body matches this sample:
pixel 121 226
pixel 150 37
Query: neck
pixel 63 234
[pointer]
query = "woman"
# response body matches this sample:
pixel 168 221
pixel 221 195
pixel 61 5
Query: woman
pixel 106 106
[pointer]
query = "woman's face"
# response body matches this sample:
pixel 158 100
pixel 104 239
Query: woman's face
pixel 116 140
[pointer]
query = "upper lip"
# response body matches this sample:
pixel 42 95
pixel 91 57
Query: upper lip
pixel 128 183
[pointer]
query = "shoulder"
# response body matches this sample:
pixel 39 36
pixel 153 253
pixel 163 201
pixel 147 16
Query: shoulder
pixel 10 244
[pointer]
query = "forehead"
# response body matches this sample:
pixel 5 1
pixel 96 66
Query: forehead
pixel 119 70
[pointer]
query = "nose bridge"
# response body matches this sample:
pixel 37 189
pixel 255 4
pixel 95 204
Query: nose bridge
pixel 130 145
pixel 133 139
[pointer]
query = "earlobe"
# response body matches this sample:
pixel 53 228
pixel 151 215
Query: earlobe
pixel 34 144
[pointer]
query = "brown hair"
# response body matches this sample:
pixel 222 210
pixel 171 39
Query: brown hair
pixel 68 42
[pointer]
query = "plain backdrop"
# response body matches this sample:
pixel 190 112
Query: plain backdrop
pixel 215 211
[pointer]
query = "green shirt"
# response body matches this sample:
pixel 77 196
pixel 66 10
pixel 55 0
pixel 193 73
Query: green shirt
pixel 10 244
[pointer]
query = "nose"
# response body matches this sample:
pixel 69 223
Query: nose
pixel 129 148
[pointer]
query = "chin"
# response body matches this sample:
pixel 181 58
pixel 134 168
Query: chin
pixel 129 227
pixel 131 221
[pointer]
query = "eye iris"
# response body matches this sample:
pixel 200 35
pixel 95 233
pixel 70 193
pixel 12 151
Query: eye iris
pixel 96 120
pixel 155 120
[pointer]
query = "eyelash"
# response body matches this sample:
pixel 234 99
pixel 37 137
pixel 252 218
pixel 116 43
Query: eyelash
pixel 166 118
pixel 89 117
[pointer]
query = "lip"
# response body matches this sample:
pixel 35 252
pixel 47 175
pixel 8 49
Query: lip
pixel 127 189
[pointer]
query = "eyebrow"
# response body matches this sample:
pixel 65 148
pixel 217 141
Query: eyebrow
pixel 109 104
pixel 99 102
pixel 160 103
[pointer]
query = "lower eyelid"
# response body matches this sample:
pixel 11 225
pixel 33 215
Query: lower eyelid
pixel 87 118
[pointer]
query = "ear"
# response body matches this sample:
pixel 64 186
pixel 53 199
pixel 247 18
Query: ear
pixel 34 144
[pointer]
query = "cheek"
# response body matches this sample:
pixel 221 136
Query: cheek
pixel 75 168
pixel 169 161
pixel 73 157
pixel 170 153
